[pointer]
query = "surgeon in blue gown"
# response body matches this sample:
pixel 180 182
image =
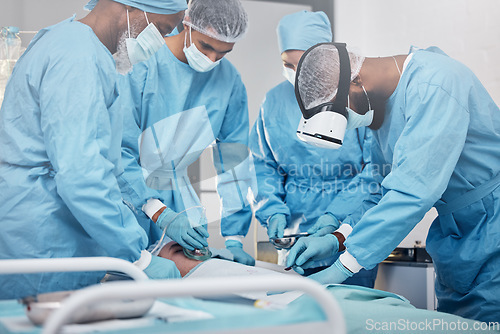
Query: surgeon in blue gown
pixel 183 100
pixel 301 187
pixel 60 134
pixel 438 130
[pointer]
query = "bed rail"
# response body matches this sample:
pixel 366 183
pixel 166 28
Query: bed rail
pixel 207 287
pixel 31 266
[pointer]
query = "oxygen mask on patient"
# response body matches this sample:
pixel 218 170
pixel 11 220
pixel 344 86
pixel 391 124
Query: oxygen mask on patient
pixel 198 254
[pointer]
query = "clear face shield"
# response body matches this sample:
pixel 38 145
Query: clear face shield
pixel 322 124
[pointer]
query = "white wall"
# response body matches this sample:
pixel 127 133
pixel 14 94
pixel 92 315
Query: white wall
pixel 467 30
pixel 33 15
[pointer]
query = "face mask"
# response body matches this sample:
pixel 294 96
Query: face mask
pixel 356 120
pixel 196 59
pixel 145 45
pixel 289 74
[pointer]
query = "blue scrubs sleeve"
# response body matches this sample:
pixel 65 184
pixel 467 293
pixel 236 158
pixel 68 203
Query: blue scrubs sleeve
pixel 270 177
pixel 425 156
pixel 135 192
pixel 235 176
pixel 363 191
pixel 78 132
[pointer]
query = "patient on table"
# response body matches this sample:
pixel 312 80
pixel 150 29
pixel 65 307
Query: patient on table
pixel 218 266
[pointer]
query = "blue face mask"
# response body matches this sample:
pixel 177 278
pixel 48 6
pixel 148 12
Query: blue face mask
pixel 145 45
pixel 355 120
pixel 196 59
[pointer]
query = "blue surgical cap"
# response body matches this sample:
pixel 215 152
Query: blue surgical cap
pixel 300 31
pixel 150 6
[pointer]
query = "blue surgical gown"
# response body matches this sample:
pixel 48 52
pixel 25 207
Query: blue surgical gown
pixel 440 139
pixel 174 114
pixel 60 133
pixel 300 180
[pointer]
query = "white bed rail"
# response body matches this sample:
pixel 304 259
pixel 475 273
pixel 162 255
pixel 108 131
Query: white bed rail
pixel 206 287
pixel 31 266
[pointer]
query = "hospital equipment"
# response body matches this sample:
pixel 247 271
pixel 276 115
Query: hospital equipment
pixel 10 51
pixel 218 311
pixel 38 308
pixel 287 241
pixel 198 254
pixel 324 122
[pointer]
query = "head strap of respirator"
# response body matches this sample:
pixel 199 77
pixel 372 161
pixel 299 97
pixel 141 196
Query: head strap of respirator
pixel 316 125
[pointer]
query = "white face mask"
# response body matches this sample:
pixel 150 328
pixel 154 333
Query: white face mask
pixel 197 59
pixel 355 120
pixel 289 74
pixel 145 45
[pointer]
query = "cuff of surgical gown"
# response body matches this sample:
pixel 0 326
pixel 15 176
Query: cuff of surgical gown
pixel 350 262
pixel 152 206
pixel 345 230
pixel 238 238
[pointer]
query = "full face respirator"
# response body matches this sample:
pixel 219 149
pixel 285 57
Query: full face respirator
pixel 324 125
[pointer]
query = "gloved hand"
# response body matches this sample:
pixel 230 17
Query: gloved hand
pixel 236 248
pixel 158 267
pixel 326 224
pixel 308 249
pixel 335 274
pixel 276 226
pixel 180 230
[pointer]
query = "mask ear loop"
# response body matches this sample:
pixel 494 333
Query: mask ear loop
pixel 146 15
pixel 128 23
pixel 369 104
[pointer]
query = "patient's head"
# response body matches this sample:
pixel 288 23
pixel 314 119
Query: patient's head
pixel 173 251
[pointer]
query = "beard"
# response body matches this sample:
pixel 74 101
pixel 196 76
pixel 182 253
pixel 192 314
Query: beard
pixel 122 60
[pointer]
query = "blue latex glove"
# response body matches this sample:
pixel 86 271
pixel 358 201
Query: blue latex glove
pixel 180 230
pixel 161 268
pixel 236 248
pixel 326 224
pixel 276 226
pixel 335 274
pixel 308 249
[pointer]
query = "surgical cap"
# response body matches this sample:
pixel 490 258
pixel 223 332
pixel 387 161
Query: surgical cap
pixel 319 72
pixel 150 6
pixel 300 31
pixel 224 20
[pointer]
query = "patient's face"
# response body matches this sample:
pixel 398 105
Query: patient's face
pixel 173 251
